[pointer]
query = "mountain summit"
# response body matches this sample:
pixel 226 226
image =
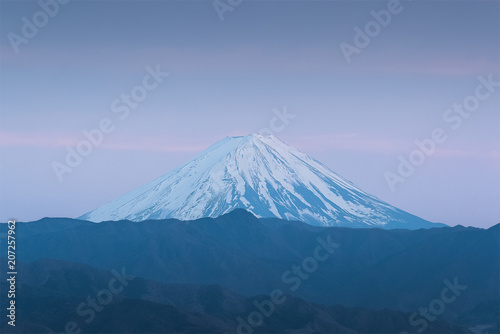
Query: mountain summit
pixel 263 175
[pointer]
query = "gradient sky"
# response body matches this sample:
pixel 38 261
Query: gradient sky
pixel 226 78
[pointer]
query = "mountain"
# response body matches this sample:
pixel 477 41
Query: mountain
pixel 263 175
pixel 50 292
pixel 401 270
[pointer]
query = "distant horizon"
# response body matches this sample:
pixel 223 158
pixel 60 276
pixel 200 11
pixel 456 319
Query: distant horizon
pixel 76 218
pixel 401 98
pixel 243 136
pixel 196 152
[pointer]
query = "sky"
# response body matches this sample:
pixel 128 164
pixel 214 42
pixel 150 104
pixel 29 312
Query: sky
pixel 157 82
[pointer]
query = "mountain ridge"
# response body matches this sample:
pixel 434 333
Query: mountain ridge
pixel 263 175
pixel 51 291
pixel 250 256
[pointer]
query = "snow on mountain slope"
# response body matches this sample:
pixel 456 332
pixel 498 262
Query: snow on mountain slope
pixel 262 174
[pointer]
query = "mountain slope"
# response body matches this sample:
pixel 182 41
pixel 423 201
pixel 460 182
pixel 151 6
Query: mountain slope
pixel 50 292
pixel 264 176
pixel 400 269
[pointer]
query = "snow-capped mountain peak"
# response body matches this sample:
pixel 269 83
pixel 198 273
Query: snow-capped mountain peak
pixel 263 175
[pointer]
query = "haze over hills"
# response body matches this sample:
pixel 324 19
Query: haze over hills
pixel 51 290
pixel 384 271
pixel 263 175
